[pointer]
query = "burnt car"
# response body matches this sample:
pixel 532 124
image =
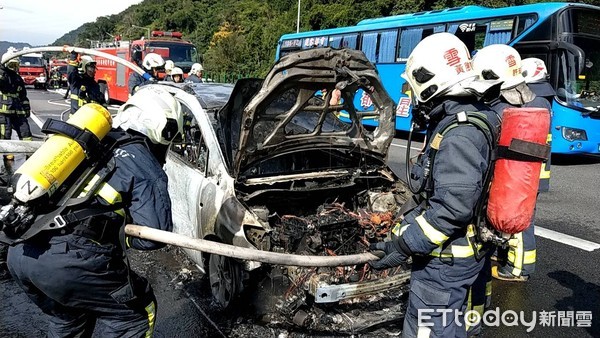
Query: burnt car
pixel 274 169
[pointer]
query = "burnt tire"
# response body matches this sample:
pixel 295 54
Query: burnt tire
pixel 225 278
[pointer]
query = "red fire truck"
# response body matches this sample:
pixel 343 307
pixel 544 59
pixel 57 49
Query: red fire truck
pixel 113 78
pixel 33 68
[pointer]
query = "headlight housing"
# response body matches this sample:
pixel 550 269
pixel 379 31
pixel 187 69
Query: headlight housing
pixel 574 134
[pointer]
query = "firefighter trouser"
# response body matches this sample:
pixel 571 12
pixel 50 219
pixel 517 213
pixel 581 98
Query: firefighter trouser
pixel 80 284
pixel 20 124
pixel 438 296
pixel 5 129
pixel 520 260
pixel 479 297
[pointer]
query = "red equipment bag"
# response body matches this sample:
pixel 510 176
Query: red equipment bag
pixel 521 150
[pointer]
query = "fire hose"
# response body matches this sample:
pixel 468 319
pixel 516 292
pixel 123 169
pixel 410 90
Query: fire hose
pixel 69 49
pixel 232 251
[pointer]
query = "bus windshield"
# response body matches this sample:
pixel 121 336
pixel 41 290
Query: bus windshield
pixel 580 87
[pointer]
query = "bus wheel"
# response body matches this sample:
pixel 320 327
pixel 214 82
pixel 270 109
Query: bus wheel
pixel 105 92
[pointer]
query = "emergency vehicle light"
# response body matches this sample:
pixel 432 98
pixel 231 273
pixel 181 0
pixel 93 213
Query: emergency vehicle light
pixel 171 34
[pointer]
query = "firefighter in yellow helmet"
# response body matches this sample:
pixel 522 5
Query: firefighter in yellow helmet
pixel 80 277
pixel 83 86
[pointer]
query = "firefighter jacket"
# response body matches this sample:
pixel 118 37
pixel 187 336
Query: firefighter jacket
pixel 137 190
pixel 193 79
pixel 13 98
pixel 440 224
pixel 135 81
pixel 84 89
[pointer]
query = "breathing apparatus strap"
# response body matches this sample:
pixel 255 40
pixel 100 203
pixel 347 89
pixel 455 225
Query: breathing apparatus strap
pixel 86 139
pixel 480 121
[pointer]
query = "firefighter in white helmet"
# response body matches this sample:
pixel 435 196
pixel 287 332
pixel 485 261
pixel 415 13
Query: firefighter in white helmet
pixel 177 75
pixel 450 173
pixel 153 64
pixel 169 65
pixel 81 277
pixel 503 62
pixel 195 75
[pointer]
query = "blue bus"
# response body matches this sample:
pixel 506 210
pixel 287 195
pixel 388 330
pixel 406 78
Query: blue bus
pixel 565 35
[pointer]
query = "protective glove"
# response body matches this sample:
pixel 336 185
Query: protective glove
pixel 394 256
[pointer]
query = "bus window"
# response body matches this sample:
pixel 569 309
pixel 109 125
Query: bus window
pixel 409 38
pixel 387 46
pixel 343 41
pixel 525 21
pixel 369 46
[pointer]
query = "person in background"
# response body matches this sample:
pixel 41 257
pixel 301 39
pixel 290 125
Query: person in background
pixel 503 62
pixel 195 75
pixel 452 168
pixel 84 88
pixel 152 64
pixel 177 75
pixel 14 112
pixel 169 65
pixel 81 278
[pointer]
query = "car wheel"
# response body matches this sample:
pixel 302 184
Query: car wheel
pixel 225 278
pixel 104 91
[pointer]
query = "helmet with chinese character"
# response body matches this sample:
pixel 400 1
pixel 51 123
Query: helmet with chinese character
pixel 499 62
pixel 534 70
pixel 437 63
pixel 153 60
pixel 151 111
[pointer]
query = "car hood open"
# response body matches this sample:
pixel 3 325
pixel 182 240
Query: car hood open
pixel 296 107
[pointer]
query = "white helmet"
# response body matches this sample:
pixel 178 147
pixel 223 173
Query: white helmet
pixel 177 71
pixel 436 64
pixel 534 70
pixel 152 111
pixel 501 62
pixel 86 60
pixel 169 65
pixel 196 67
pixel 11 63
pixel 153 60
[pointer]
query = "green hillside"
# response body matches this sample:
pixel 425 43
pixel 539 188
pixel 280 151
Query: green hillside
pixel 240 36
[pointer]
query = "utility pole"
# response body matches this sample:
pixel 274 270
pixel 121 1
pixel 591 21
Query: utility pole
pixel 146 28
pixel 298 20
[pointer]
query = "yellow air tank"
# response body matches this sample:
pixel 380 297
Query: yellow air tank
pixel 58 157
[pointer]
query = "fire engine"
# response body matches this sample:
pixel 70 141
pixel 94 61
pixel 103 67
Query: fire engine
pixel 33 69
pixel 113 78
pixel 58 73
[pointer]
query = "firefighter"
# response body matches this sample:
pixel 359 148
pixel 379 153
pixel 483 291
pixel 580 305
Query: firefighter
pixel 152 63
pixel 81 277
pixel 435 230
pixel 14 111
pixel 84 88
pixel 177 75
pixel 195 75
pixel 15 108
pixel 169 65
pixel 502 62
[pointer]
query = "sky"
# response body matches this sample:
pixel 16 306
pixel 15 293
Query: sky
pixel 41 22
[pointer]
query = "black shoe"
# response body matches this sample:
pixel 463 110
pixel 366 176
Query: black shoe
pixel 502 274
pixel 4 273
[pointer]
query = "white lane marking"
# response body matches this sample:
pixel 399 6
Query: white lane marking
pixel 566 239
pixel 36 120
pixel 404 146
